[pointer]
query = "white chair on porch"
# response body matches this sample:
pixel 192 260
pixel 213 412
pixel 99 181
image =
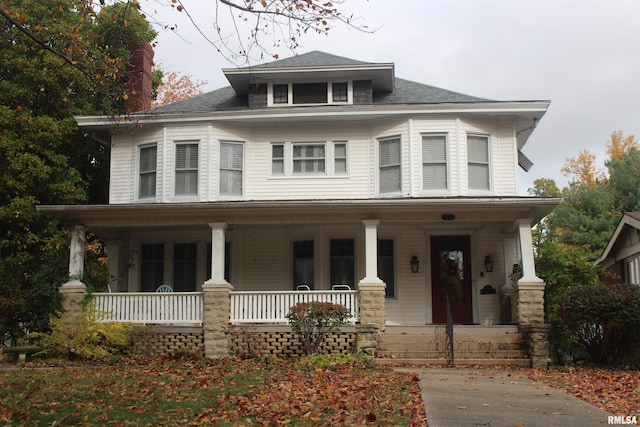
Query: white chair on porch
pixel 303 288
pixel 164 288
pixel 340 288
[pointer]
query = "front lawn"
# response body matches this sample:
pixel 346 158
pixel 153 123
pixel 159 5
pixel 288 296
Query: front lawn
pixel 225 392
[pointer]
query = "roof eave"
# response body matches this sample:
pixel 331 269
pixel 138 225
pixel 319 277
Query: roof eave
pixel 382 75
pixel 524 112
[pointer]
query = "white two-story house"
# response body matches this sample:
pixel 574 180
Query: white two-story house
pixel 319 170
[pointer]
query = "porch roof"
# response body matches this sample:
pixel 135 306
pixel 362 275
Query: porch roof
pixel 406 210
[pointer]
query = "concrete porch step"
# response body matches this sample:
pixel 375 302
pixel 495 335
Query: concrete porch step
pixel 413 354
pixel 458 362
pixel 472 345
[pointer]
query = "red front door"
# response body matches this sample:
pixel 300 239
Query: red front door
pixel 451 277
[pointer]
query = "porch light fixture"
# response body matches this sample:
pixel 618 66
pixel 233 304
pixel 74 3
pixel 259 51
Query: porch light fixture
pixel 415 264
pixel 488 264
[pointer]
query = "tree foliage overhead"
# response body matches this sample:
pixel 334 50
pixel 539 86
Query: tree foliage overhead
pixel 246 30
pixel 59 58
pixel 176 88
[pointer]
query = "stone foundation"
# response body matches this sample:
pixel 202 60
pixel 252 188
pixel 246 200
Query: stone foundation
pixel 255 342
pixel 167 341
pixel 372 304
pixel 530 303
pixel 537 338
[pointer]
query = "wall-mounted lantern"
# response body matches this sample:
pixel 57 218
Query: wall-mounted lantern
pixel 488 264
pixel 415 264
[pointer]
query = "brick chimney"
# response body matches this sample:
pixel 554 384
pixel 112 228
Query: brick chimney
pixel 139 88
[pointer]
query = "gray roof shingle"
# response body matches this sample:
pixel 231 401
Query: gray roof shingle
pixel 405 91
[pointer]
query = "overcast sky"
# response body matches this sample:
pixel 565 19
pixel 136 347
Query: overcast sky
pixel 582 55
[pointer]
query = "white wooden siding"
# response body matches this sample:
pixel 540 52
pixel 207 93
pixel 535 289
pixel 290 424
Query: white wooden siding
pixel 361 181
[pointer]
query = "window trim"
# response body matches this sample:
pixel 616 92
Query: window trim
pixel 632 270
pixel 175 169
pixel 139 172
pixel 447 163
pixel 271 102
pixel 488 164
pixel 242 170
pixel 288 159
pixel 379 167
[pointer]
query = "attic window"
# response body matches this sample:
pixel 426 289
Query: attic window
pixel 309 93
pixel 280 94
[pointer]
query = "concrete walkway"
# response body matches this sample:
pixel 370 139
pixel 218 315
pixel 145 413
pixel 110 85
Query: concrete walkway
pixel 497 398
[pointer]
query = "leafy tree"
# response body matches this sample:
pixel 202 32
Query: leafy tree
pixel 176 88
pixel 619 145
pixel 583 168
pixel 58 60
pixel 624 180
pixel 562 267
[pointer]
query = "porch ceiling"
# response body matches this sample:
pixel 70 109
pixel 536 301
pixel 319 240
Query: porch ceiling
pixel 466 211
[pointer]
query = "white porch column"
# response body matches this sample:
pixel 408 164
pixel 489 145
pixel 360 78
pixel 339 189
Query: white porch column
pixel 371 288
pixel 74 290
pixel 76 254
pixel 526 250
pixel 217 253
pixel 371 250
pixel 216 298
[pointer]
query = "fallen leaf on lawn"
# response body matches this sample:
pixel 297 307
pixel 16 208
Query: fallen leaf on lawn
pixel 461 407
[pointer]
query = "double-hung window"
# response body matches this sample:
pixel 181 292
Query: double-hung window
pixel 434 162
pixel 185 261
pixel 340 92
pixel 342 262
pixel 147 171
pixel 303 263
pixel 151 266
pixel 478 162
pixel 390 165
pixel 186 169
pixel 309 93
pixel 309 158
pixel 231 166
pixel 633 270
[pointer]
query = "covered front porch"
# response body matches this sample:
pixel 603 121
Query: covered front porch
pixel 242 262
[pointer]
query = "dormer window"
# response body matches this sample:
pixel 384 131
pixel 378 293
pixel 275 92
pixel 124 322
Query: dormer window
pixel 310 93
pixel 340 92
pixel 280 94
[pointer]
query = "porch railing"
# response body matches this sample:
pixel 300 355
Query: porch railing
pixel 273 306
pixel 179 308
pixel 186 308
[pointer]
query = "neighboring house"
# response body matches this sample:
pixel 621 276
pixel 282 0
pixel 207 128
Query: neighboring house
pixel 621 257
pixel 320 170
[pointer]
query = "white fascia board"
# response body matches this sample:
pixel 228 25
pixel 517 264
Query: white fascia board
pixel 508 108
